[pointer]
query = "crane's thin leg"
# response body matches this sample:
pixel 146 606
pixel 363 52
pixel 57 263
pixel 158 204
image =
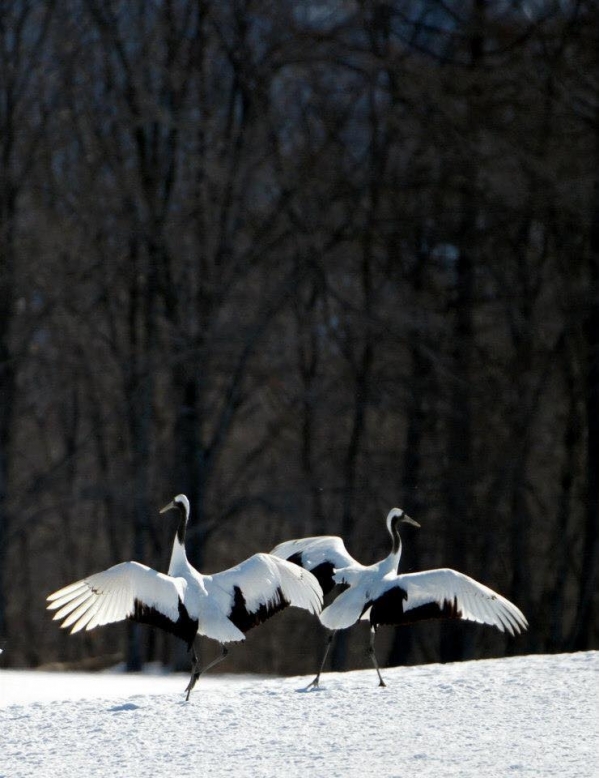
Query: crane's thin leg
pixel 194 659
pixel 372 655
pixel 196 671
pixel 314 683
pixel 195 662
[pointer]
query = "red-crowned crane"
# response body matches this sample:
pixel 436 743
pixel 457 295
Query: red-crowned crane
pixel 381 595
pixel 223 606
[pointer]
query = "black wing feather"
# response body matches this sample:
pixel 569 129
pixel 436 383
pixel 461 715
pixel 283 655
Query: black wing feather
pixel 244 619
pixel 323 572
pixel 388 609
pixel 184 628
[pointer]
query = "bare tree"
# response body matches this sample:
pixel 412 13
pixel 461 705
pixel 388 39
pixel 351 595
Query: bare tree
pixel 23 100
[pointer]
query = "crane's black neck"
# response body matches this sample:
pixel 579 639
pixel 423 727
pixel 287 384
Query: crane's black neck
pixel 183 517
pixel 394 530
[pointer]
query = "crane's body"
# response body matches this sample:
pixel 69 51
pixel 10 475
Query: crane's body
pixel 381 595
pixel 185 603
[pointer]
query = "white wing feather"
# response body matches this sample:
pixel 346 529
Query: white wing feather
pixel 259 578
pixel 345 609
pixel 316 551
pixel 475 601
pixel 109 596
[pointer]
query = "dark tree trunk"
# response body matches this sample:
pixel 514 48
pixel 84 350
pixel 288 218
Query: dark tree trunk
pixel 8 208
pixel 190 472
pixel 412 503
pixel 361 363
pixel 455 644
pixel 142 334
pixel 308 365
pixel 581 638
pixel 562 545
pixel 7 386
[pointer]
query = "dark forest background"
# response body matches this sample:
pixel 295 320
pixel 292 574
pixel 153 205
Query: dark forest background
pixel 303 261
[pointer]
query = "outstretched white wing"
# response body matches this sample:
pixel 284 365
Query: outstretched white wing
pixel 345 610
pixel 443 593
pixel 322 555
pixel 129 590
pixel 259 587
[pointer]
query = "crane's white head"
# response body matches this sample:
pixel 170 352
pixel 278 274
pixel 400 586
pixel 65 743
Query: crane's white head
pixel 397 516
pixel 180 502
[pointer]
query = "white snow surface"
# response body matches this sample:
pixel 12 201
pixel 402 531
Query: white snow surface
pixel 522 716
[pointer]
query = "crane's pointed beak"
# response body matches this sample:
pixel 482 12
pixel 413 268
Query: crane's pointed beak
pixel 168 507
pixel 405 519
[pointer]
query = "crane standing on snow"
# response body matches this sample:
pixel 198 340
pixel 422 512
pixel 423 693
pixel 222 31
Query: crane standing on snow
pixel 186 603
pixel 378 593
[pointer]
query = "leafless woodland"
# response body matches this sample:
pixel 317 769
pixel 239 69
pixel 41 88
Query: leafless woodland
pixel 303 261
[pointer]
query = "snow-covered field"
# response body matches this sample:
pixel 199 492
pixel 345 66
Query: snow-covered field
pixel 524 716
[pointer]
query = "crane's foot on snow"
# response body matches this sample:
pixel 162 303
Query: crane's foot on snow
pixel 190 685
pixel 371 653
pixel 314 684
pixel 195 672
